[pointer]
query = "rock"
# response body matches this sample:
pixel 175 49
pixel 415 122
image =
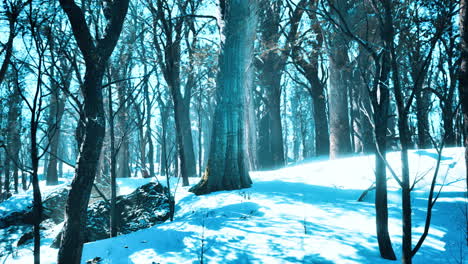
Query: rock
pixel 54 205
pixel 145 207
pixel 95 260
pixel 4 196
pixel 53 208
pixel 29 235
pixel 25 238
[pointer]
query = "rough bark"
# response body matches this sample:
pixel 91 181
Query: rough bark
pixel 228 161
pixel 96 55
pixel 340 141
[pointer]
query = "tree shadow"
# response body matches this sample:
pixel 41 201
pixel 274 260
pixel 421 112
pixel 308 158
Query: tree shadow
pixel 433 155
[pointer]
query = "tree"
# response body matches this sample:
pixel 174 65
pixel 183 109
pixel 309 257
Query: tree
pixel 168 50
pixel 463 75
pixel 443 16
pixel 96 53
pixel 13 9
pixel 60 76
pixel 227 167
pixel 307 62
pixel 379 96
pixel 270 66
pixel 340 140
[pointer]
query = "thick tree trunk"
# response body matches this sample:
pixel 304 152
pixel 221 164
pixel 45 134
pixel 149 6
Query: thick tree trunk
pixel 340 141
pixel 251 126
pixel 228 163
pixel 271 149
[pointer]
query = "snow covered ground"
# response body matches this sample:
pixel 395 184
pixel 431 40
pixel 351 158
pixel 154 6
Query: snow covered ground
pixel 306 213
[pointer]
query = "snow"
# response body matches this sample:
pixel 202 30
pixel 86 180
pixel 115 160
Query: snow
pixel 305 213
pixel 23 200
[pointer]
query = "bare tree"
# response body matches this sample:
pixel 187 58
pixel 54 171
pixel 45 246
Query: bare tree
pixel 463 74
pixel 96 53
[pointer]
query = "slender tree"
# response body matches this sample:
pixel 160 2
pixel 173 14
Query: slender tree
pixel 463 74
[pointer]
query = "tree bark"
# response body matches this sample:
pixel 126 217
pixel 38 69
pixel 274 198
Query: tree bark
pixel 96 57
pixel 463 76
pixel 340 140
pixel 228 162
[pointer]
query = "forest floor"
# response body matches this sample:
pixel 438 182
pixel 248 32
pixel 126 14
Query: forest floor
pixel 304 213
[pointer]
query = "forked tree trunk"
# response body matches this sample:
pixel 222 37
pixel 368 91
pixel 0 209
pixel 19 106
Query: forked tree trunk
pixel 403 129
pixel 228 161
pixel 96 54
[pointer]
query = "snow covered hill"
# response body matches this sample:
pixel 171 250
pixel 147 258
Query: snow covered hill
pixel 301 214
pixel 306 213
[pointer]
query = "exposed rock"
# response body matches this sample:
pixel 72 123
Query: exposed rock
pixel 29 235
pixel 95 260
pixel 145 207
pixel 54 205
pixel 53 208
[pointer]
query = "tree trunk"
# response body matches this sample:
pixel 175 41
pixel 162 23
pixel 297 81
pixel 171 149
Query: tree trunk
pixel 403 129
pixel 96 57
pixel 54 121
pixel 381 106
pixel 423 101
pixel 228 163
pixel 184 140
pixel 37 199
pixel 322 139
pixel 463 76
pixel 13 142
pixel 340 141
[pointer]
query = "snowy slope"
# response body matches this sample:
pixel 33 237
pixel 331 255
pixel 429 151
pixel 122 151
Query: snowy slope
pixel 306 213
pixel 301 214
